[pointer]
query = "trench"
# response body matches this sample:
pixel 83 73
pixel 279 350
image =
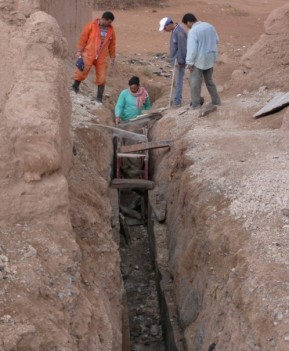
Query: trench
pixel 152 317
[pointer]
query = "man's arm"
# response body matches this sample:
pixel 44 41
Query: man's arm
pixel 112 45
pixel 173 48
pixel 118 111
pixel 147 104
pixel 192 48
pixel 83 39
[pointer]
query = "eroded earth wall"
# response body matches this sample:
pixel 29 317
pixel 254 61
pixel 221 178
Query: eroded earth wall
pixel 45 301
pixel 70 14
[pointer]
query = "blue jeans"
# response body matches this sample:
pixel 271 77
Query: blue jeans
pixel 180 73
pixel 196 80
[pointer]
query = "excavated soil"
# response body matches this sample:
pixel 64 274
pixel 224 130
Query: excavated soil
pixel 227 182
pixel 226 188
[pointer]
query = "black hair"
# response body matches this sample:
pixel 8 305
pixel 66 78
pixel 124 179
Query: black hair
pixel 189 17
pixel 108 16
pixel 133 80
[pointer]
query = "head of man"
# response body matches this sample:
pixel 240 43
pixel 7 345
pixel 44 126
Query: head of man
pixel 107 18
pixel 189 19
pixel 134 84
pixel 166 24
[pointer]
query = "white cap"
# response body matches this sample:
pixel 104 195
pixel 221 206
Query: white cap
pixel 165 22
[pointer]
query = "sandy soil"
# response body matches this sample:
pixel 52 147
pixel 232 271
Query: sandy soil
pixel 239 24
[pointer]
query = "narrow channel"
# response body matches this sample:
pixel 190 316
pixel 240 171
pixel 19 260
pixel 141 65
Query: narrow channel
pixel 142 298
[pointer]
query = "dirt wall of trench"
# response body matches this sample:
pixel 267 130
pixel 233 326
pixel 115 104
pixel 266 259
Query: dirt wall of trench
pixel 227 248
pixel 55 293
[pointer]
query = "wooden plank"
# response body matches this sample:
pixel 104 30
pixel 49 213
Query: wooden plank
pixel 146 117
pixel 134 221
pixel 146 146
pixel 280 101
pixel 130 212
pixel 150 114
pixel 119 154
pixel 119 132
pixel 121 183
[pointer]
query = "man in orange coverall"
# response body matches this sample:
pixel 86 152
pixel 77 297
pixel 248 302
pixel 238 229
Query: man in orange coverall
pixel 96 43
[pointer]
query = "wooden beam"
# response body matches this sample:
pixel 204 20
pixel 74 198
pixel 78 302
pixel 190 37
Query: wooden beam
pixel 138 121
pixel 134 221
pixel 120 183
pixel 146 146
pixel 119 132
pixel 129 212
pixel 119 154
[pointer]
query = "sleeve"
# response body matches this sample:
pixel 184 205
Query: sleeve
pixel 192 48
pixel 217 37
pixel 173 48
pixel 147 104
pixel 83 39
pixel 182 48
pixel 112 45
pixel 119 107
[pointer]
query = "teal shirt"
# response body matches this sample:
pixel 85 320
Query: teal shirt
pixel 126 106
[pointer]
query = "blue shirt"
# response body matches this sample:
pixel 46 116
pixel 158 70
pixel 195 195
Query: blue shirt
pixel 178 46
pixel 202 44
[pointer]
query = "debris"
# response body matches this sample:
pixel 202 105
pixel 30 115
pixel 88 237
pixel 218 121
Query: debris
pixel 280 101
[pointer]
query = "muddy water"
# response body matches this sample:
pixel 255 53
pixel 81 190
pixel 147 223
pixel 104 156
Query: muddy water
pixel 140 285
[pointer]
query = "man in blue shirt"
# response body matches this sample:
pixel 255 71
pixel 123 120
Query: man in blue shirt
pixel 178 50
pixel 201 56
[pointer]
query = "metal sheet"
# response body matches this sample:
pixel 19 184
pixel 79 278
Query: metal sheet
pixel 280 101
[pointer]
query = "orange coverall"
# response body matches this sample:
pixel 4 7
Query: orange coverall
pixel 93 53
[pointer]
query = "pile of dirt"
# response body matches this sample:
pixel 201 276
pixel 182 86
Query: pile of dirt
pixel 266 62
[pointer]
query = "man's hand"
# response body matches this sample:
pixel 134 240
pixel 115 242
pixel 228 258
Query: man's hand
pixel 117 120
pixel 190 68
pixel 78 53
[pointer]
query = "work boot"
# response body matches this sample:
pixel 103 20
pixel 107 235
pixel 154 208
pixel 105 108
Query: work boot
pixel 100 91
pixel 75 86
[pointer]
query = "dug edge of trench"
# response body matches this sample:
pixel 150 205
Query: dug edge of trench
pixel 227 241
pixel 201 252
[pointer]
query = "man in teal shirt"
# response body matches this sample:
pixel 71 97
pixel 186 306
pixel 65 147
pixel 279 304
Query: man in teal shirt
pixel 132 101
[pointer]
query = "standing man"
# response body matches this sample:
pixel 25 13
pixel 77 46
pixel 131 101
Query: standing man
pixel 96 44
pixel 178 50
pixel 201 57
